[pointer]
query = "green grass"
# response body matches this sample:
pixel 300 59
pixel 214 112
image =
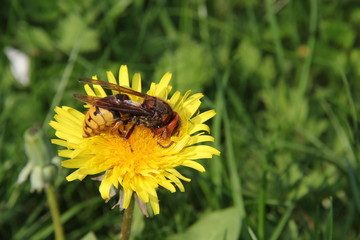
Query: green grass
pixel 282 76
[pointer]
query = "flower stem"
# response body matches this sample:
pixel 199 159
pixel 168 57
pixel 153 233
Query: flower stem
pixel 126 224
pixel 55 215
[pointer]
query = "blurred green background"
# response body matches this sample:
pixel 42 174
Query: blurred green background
pixel 282 75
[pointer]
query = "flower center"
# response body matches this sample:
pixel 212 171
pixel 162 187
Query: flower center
pixel 136 154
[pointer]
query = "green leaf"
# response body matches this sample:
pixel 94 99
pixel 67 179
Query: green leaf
pixel 338 32
pixel 355 60
pixel 117 9
pixel 34 38
pixel 190 64
pixel 248 57
pixel 89 236
pixel 355 16
pixel 266 69
pixel 74 30
pixel 223 224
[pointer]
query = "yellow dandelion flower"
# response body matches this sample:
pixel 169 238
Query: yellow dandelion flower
pixel 144 161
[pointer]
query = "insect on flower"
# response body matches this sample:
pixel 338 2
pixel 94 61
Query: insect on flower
pixel 118 114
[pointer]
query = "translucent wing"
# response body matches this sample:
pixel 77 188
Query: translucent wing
pixel 112 86
pixel 115 103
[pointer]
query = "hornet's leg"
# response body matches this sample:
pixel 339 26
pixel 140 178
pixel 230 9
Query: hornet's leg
pixel 116 128
pixel 166 146
pixel 129 131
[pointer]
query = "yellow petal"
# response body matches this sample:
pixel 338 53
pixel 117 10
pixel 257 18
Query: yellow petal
pixel 127 197
pixel 111 79
pixel 69 153
pixel 68 121
pixel 200 151
pixel 74 138
pixel 186 95
pixel 89 91
pixel 203 117
pixel 154 202
pixel 174 172
pixel 64 143
pixel 166 184
pixel 143 195
pixel 193 98
pixel 200 139
pixel 199 127
pixel 175 98
pixel 70 114
pixel 99 91
pixel 69 130
pixel 179 145
pixel 74 163
pixel 124 76
pixel 175 180
pixel 105 185
pixel 136 82
pixel 194 165
pixel 75 175
pixel 162 88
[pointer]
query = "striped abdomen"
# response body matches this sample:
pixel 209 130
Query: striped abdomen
pixel 99 120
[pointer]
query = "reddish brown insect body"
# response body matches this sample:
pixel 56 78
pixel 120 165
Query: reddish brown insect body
pixel 113 113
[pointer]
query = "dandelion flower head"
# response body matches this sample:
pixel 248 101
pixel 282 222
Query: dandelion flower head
pixel 137 165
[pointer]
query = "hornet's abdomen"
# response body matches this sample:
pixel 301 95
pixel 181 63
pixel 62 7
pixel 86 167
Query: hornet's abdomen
pixel 98 120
